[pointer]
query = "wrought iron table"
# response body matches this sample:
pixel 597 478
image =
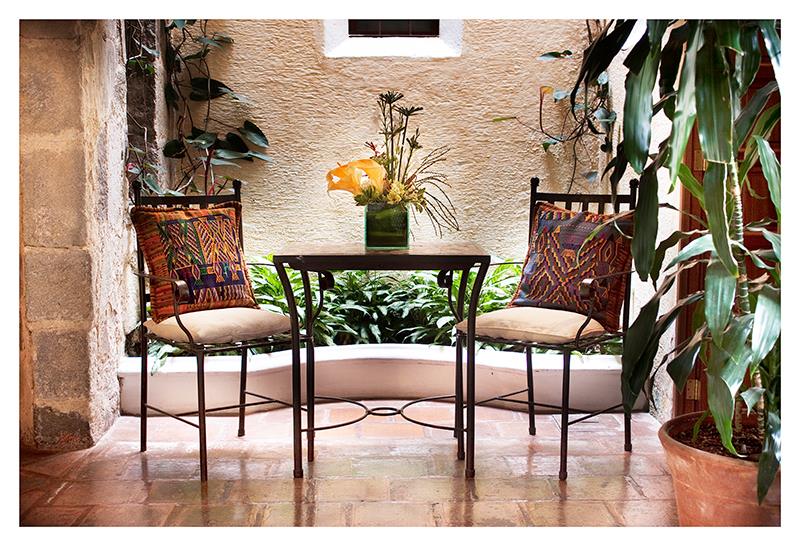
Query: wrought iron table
pixel 322 260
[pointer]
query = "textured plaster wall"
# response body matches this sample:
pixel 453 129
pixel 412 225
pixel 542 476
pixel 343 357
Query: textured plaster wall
pixel 73 234
pixel 318 110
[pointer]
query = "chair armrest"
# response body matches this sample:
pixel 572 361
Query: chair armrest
pixel 180 294
pixel 588 286
pixel 180 290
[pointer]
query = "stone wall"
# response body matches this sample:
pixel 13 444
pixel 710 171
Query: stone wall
pixel 73 235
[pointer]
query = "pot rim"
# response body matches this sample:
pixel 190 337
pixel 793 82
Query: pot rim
pixel 671 444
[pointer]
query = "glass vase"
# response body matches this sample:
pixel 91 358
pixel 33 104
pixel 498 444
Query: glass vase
pixel 385 226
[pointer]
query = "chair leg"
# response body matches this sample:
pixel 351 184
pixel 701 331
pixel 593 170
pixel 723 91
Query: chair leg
pixel 458 409
pixel 201 415
pixel 628 445
pixel 531 404
pixel 242 389
pixel 562 472
pixel 143 398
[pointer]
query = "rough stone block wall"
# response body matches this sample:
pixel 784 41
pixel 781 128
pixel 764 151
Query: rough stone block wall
pixel 73 233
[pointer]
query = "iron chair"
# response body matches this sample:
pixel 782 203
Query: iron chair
pixel 274 333
pixel 580 341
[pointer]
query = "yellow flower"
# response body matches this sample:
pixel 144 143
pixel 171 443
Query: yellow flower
pixel 395 194
pixel 349 177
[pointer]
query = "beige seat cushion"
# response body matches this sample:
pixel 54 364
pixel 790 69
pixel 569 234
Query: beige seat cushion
pixel 534 324
pixel 222 325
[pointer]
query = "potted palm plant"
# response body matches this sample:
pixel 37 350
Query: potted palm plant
pixel 725 462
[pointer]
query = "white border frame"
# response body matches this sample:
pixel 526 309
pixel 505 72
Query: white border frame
pixel 338 43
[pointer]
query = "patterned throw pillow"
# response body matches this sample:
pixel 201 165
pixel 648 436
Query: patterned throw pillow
pixel 554 269
pixel 199 246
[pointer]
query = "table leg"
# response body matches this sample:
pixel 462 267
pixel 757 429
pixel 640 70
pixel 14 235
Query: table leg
pixel 459 401
pixel 296 402
pixel 310 389
pixel 471 314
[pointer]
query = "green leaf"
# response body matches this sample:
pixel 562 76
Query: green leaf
pixel 150 181
pixel 671 57
pixel 772 172
pixel 773 43
pixel 174 148
pixel 638 108
pixel 685 112
pixel 767 322
pixel 720 291
pixel 770 460
pixel 550 55
pixel 150 50
pixel 714 108
pixel 598 56
pixel 251 132
pixel 748 62
pixel 234 142
pixel 203 141
pixel 230 154
pixel 503 118
pixel 696 247
pixel 728 34
pixel 715 202
pixel 675 238
pixel 751 397
pixel 746 119
pixel 224 163
pixel 645 228
pixel 720 402
pixel 546 143
pixel 681 366
pixel 207 89
pixel 763 127
pixel 259 155
pixel 691 184
pixel 208 42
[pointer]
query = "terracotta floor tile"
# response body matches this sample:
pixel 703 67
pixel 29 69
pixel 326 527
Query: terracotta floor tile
pixel 382 471
pixel 656 487
pixel 569 514
pixel 349 489
pixel 188 491
pixel 481 514
pixel 321 514
pixel 128 515
pixel 513 489
pixel 376 429
pixel 211 515
pixel 595 488
pixel 402 467
pixel 53 515
pixel 619 465
pixel 272 490
pixel 432 489
pixel 393 514
pixel 101 492
pixel 645 513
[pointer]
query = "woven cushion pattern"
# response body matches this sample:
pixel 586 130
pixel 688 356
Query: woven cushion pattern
pixel 199 246
pixel 554 268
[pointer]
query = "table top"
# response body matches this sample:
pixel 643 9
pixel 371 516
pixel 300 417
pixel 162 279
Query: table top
pixel 355 256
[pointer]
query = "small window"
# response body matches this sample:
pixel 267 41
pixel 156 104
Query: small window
pixel 393 28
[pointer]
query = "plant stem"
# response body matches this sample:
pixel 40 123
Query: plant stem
pixel 742 284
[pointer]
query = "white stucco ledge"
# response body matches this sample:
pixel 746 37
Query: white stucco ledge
pixel 364 372
pixel 338 43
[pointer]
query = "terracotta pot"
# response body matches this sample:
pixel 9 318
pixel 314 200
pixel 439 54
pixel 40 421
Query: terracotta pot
pixel 713 490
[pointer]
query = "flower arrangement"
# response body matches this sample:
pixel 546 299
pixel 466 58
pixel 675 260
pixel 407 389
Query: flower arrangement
pixel 393 176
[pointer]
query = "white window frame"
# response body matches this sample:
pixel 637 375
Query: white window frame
pixel 339 43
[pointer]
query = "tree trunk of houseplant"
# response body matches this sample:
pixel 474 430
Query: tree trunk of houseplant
pixel 714 490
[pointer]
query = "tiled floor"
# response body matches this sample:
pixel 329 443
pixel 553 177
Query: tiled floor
pixel 382 471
